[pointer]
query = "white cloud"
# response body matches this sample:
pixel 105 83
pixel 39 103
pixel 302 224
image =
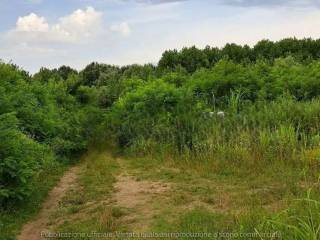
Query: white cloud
pixel 81 22
pixel 122 28
pixel 77 27
pixel 32 23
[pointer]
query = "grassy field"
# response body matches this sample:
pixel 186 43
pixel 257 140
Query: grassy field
pixel 127 195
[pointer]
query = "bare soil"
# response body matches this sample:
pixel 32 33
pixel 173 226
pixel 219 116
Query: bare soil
pixel 33 229
pixel 139 197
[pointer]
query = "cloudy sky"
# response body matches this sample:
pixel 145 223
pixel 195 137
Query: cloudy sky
pixel 35 33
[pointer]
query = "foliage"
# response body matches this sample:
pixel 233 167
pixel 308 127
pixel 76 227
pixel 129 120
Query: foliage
pixel 157 110
pixel 268 95
pixel 41 124
pixel 193 59
pixel 20 157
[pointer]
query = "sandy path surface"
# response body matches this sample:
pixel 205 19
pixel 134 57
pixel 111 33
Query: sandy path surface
pixel 33 229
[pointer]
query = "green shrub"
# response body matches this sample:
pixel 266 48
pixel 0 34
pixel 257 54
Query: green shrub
pixel 157 111
pixel 20 157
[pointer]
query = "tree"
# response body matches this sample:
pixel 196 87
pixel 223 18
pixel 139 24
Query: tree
pixel 65 71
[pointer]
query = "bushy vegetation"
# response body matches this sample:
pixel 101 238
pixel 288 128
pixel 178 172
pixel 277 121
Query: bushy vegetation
pixel 192 58
pixel 271 113
pixel 269 96
pixel 41 125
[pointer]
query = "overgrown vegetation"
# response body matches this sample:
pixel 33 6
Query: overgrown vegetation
pixel 268 97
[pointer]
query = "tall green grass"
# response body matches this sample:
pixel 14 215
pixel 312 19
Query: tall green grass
pixel 284 132
pixel 300 222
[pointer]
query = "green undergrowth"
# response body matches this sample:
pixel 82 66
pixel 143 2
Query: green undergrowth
pixel 15 215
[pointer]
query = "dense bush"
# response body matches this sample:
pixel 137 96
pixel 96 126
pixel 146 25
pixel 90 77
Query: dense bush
pixel 20 158
pixel 40 123
pixel 271 113
pixel 259 81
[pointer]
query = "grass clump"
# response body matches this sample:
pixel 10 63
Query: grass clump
pixel 299 222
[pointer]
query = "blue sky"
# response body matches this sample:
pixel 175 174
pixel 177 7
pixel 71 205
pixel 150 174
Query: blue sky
pixel 36 33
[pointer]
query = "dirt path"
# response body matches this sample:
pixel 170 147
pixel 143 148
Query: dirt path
pixel 139 197
pixel 118 196
pixel 33 229
pixel 131 193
